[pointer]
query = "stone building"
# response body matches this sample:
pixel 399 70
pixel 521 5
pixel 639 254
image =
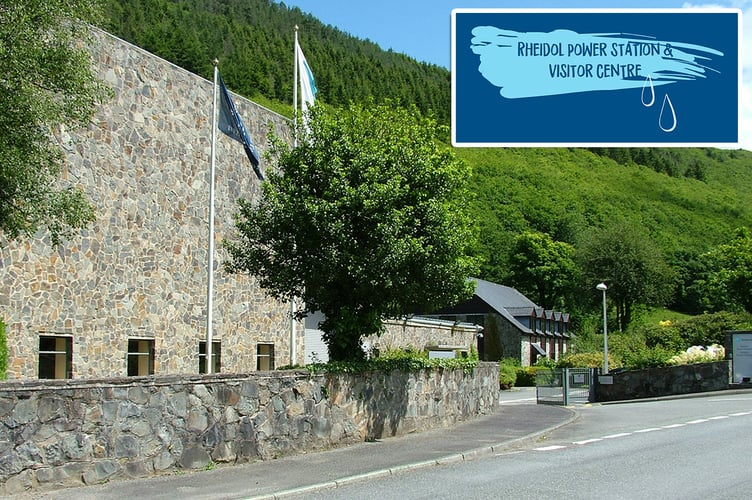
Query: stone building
pixel 513 325
pixel 128 295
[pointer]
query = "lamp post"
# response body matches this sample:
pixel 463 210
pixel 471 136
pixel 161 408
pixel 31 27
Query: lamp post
pixel 602 287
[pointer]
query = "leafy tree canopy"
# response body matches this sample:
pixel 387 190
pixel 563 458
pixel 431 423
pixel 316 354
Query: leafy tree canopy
pixel 365 219
pixel 626 259
pixel 46 81
pixel 728 285
pixel 542 268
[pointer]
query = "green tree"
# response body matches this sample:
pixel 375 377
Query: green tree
pixel 542 268
pixel 626 259
pixel 728 284
pixel 47 82
pixel 365 219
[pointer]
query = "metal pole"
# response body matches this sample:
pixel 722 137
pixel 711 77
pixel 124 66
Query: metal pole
pixel 602 287
pixel 210 259
pixel 293 346
pixel 295 90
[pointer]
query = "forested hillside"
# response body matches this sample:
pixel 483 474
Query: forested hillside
pixel 686 201
pixel 254 42
pixel 567 192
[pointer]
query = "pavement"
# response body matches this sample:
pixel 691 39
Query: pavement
pixel 517 421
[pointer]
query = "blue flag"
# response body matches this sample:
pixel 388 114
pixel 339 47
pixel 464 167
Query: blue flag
pixel 232 125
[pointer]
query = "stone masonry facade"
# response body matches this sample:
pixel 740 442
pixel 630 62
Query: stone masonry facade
pixel 140 271
pixel 58 434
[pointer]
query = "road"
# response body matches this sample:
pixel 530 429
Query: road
pixel 694 448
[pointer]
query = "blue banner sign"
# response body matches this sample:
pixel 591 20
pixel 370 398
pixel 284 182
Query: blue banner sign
pixel 596 77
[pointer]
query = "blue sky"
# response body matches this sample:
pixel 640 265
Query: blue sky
pixel 421 28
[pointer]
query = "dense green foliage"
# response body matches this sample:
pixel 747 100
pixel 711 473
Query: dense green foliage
pixel 569 194
pixel 366 219
pixel 508 368
pixel 625 258
pixel 542 269
pixel 46 84
pixel 254 39
pixel 729 274
pixel 407 360
pixel 651 344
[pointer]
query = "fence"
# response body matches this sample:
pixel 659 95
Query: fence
pixel 564 386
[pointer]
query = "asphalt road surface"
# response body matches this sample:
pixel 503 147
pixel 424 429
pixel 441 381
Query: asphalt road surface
pixel 693 448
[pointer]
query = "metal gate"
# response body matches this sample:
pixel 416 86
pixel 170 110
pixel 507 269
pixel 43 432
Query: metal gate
pixel 564 386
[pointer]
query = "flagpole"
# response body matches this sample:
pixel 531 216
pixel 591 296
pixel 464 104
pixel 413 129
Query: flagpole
pixel 210 263
pixel 293 348
pixel 295 90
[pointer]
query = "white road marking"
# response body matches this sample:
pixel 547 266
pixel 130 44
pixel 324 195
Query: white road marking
pixel 614 436
pixel 642 431
pixel 588 441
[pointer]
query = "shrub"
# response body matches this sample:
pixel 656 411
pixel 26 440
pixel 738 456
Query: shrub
pixel 708 329
pixel 526 376
pixel 508 372
pixel 408 360
pixel 699 354
pixel 665 334
pixel 545 362
pixel 680 334
pixel 641 357
pixel 584 360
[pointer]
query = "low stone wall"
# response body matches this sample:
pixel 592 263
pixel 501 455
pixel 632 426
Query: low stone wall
pixel 653 382
pixel 67 433
pixel 398 403
pixel 424 333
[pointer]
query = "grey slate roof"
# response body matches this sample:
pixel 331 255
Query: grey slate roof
pixel 508 302
pixel 504 300
pixel 504 296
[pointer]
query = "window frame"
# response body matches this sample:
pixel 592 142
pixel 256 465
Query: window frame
pixel 60 358
pixel 268 356
pixel 216 356
pixel 137 357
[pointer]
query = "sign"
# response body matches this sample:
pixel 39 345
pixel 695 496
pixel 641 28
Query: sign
pixel 596 77
pixel 741 349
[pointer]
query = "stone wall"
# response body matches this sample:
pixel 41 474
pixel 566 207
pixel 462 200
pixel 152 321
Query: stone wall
pixel 653 382
pixel 422 334
pixel 67 433
pixel 140 271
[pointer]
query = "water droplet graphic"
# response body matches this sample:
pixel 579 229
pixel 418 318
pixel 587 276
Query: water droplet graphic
pixel 666 122
pixel 648 85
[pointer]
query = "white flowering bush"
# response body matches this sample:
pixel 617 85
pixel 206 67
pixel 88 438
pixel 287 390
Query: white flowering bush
pixel 699 354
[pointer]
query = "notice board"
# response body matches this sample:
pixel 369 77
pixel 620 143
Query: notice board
pixel 741 356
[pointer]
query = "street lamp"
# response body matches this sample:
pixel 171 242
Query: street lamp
pixel 602 287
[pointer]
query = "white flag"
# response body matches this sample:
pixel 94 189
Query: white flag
pixel 307 83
